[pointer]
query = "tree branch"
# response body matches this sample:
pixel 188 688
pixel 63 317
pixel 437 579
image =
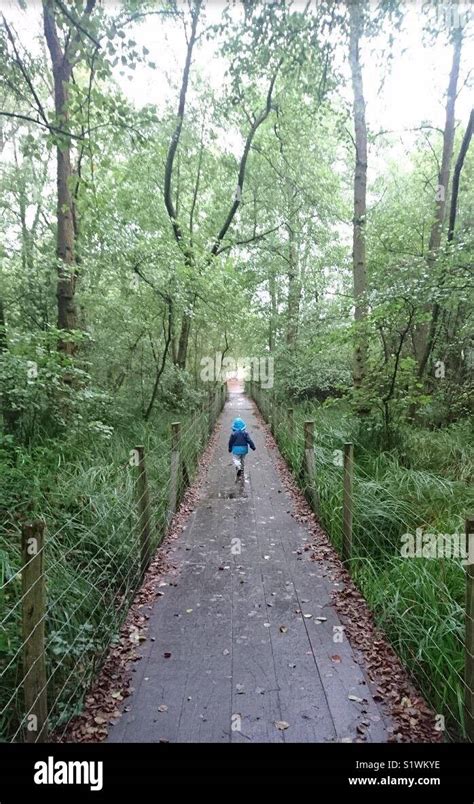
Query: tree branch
pixel 196 186
pixel 243 163
pixel 179 124
pixel 77 24
pixel 252 239
pixel 24 72
pixel 456 175
pixel 163 363
pixel 48 126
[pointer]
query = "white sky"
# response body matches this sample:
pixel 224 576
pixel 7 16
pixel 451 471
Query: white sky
pixel 413 91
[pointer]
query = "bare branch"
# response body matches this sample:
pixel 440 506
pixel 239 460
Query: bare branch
pixel 248 240
pixel 77 24
pixel 48 126
pixel 243 163
pixel 24 72
pixel 177 132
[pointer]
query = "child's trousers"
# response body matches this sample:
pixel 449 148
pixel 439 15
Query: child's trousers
pixel 238 461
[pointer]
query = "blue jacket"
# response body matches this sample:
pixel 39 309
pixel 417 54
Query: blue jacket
pixel 239 442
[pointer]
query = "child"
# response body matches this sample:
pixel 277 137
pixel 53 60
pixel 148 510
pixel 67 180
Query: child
pixel 239 443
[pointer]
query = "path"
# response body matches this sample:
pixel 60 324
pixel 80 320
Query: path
pixel 229 641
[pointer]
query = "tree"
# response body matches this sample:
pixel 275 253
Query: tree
pixel 359 265
pixel 63 58
pixel 424 332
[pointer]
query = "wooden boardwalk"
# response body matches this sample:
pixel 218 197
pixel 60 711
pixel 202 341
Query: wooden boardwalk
pixel 232 658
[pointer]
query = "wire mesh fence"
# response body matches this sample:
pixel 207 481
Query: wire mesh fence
pixel 66 588
pixel 420 589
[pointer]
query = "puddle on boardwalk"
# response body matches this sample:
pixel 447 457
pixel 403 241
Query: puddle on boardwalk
pixel 232 494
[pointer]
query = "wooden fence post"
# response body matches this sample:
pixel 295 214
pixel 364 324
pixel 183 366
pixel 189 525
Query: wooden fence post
pixel 210 397
pixel 310 465
pixel 291 423
pixel 174 469
pixel 33 616
pixel 273 409
pixel 469 637
pixel 251 381
pixel 144 517
pixel 347 503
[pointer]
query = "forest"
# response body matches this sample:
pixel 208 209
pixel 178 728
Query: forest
pixel 284 188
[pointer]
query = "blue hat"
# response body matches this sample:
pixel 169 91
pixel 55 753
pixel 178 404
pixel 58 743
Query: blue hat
pixel 238 424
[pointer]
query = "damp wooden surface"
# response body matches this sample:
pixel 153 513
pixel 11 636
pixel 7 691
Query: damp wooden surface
pixel 230 656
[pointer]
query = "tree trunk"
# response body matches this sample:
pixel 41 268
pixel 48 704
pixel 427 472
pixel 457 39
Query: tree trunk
pixel 294 291
pixel 183 341
pixel 359 267
pixel 65 239
pixel 273 309
pixel 457 175
pixel 425 332
pixel 9 415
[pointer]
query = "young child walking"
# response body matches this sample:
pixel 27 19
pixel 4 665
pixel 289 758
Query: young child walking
pixel 239 443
